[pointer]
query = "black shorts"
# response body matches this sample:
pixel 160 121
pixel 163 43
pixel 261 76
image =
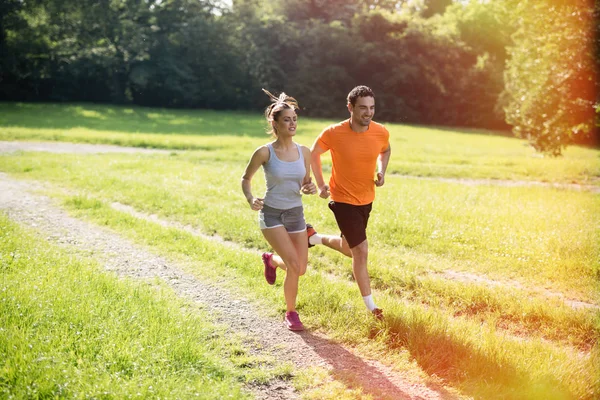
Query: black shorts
pixel 352 221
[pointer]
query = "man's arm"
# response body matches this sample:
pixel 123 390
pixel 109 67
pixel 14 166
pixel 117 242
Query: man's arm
pixel 308 187
pixel 382 163
pixel 315 162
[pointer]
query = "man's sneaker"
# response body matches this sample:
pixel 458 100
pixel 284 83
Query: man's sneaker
pixel 309 232
pixel 292 320
pixel 378 313
pixel 270 270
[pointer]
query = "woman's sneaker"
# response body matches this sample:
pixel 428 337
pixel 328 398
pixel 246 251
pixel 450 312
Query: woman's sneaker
pixel 309 232
pixel 292 320
pixel 270 270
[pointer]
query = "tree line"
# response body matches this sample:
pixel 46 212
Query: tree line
pixel 525 65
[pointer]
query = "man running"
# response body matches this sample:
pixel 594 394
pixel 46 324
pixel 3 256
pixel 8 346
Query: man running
pixel 358 146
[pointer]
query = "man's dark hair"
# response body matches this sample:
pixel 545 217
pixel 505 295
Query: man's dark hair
pixel 359 91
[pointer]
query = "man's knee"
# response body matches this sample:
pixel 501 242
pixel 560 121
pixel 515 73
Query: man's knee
pixel 361 250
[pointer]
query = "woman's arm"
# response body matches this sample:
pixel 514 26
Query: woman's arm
pixel 308 187
pixel 259 157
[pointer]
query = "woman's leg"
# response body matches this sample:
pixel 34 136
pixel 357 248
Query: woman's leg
pixel 301 245
pixel 285 247
pixel 278 262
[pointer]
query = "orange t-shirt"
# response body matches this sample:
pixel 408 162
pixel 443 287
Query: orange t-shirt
pixel 354 158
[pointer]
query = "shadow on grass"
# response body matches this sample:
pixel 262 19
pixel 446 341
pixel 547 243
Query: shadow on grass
pixel 131 119
pixel 464 366
pixel 355 373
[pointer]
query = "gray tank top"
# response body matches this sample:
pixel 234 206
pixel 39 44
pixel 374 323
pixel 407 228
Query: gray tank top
pixel 284 180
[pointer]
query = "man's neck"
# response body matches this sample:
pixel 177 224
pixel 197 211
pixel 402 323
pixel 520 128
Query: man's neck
pixel 358 128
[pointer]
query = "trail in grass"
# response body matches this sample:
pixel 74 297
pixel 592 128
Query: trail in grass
pixel 509 183
pixel 80 148
pixel 474 278
pixel 83 148
pixel 448 274
pixel 262 335
pixel 62 147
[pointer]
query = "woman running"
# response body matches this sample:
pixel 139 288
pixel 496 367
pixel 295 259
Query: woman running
pixel 286 165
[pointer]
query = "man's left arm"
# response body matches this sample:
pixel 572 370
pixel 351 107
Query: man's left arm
pixel 382 162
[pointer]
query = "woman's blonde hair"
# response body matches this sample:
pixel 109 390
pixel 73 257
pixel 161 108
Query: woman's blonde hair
pixel 278 104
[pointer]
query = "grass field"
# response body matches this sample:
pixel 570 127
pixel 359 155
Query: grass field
pixel 504 330
pixel 71 331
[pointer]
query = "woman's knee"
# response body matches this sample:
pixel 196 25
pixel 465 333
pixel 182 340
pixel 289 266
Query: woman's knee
pixel 302 270
pixel 297 267
pixel 293 266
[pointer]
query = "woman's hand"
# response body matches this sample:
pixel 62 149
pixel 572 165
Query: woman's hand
pixel 256 203
pixel 309 187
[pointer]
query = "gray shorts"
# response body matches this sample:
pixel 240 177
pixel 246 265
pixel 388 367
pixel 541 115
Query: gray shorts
pixel 292 219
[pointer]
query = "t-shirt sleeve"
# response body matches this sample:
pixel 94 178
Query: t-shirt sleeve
pixel 324 139
pixel 386 140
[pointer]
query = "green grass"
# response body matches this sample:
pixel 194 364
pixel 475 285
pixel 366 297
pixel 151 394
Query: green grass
pixel 491 341
pixel 540 236
pixel 460 350
pixel 418 151
pixel 69 330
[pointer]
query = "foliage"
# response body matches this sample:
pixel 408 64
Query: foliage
pixel 431 62
pixel 551 74
pixel 151 53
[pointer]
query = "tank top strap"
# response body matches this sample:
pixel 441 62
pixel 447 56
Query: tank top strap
pixel 300 152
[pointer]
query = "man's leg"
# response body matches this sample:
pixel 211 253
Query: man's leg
pixel 353 221
pixel 359 267
pixel 337 243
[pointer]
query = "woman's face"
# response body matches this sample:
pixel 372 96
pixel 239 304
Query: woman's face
pixel 286 123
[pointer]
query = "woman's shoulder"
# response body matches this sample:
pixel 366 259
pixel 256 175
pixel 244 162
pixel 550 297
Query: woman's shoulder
pixel 305 150
pixel 264 147
pixel 262 152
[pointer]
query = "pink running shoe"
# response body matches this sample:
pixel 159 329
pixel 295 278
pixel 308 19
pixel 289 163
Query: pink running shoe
pixel 270 270
pixel 309 232
pixel 292 320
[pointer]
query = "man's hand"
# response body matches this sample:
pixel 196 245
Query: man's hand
pixel 324 191
pixel 380 179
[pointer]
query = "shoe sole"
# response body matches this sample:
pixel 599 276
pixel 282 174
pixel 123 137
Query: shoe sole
pixel 295 328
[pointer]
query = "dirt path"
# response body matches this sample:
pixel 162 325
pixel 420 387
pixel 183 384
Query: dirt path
pixel 262 335
pixel 81 148
pixel 507 183
pixel 478 279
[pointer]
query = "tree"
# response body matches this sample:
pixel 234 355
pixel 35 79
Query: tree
pixel 550 76
pixel 433 7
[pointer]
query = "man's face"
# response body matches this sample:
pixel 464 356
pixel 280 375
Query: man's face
pixel 362 112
